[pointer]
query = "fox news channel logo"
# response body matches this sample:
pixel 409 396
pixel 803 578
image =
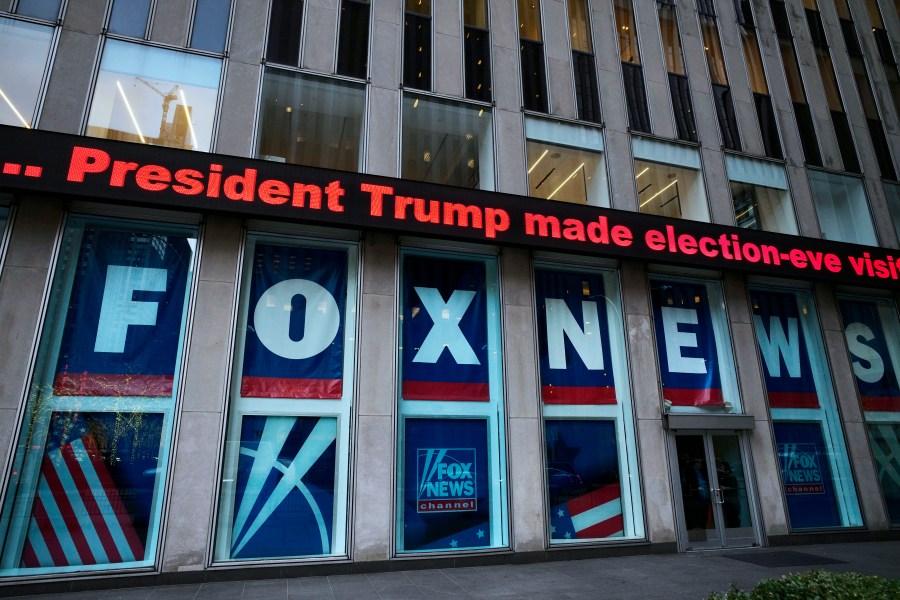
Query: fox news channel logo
pixel 446 480
pixel 800 469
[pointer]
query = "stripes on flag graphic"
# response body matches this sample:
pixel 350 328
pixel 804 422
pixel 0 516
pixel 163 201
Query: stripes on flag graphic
pixel 597 514
pixel 78 516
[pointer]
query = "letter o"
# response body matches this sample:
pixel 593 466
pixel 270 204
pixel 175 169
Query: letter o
pixel 272 319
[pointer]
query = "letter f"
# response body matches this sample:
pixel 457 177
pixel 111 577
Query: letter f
pixel 118 310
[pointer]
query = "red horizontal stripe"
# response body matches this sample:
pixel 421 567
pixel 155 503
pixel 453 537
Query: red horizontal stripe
pixel 793 400
pixel 100 384
pixel 445 390
pixel 607 493
pixel 706 397
pixel 881 403
pixel 287 387
pixel 603 529
pixel 557 394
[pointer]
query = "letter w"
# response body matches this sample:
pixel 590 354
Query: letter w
pixel 776 344
pixel 561 323
pixel 446 333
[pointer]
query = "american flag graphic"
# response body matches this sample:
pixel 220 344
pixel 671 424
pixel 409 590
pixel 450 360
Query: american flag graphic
pixel 78 516
pixel 597 514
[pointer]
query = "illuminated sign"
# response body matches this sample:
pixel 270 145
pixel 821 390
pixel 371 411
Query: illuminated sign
pixel 55 163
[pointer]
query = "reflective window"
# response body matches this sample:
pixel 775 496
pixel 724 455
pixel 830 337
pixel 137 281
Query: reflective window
pixel 632 72
pixel 592 477
pixel 87 482
pixel 760 194
pixel 873 340
pixel 842 208
pixel 477 50
pixel 693 346
pixel 353 39
pixel 21 79
pixel 892 194
pixel 815 470
pixel 452 485
pixel 211 25
pixel 155 96
pixel 587 94
pixel 565 162
pixel 668 179
pixel 285 23
pixel 311 120
pixel 679 87
pixel 40 9
pixel 447 142
pixel 417 44
pixel 531 45
pixel 130 17
pixel 284 483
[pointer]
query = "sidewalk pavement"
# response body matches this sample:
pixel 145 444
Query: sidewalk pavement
pixel 669 576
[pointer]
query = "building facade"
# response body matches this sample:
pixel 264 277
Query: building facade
pixel 324 286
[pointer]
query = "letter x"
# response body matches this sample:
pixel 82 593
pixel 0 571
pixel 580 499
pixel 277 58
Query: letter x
pixel 446 333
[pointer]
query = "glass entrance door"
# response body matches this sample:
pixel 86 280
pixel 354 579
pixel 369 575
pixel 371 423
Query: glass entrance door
pixel 715 509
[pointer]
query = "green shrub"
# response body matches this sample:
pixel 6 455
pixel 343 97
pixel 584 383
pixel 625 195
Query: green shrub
pixel 817 585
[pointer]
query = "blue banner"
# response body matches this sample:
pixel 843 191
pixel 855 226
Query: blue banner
pixel 783 349
pixel 573 338
pixel 583 479
pixel 885 439
pixel 446 499
pixel 686 344
pixel 806 475
pixel 125 313
pixel 94 495
pixel 873 365
pixel 445 353
pixel 294 344
pixel 284 500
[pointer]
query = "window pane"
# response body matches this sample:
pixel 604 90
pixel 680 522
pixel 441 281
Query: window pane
pixel 40 9
pixel 353 40
pixel 768 125
pixel 636 97
pixel 682 106
pixel 668 25
pixel 452 493
pixel 575 173
pixel 87 483
pixel 211 25
pixel 754 62
pixel 129 17
pixel 477 46
pixel 534 80
pixel 311 121
pixel 760 207
pixel 421 7
pixel 892 195
pixel 587 95
pixel 815 470
pixel 885 439
pixel 670 191
pixel 628 44
pixel 842 208
pixel 580 26
pixel 693 346
pixel 715 60
pixel 290 412
pixel 530 20
pixel 475 13
pixel 591 468
pixel 285 22
pixel 20 79
pixel 417 52
pixel 792 70
pixel 447 142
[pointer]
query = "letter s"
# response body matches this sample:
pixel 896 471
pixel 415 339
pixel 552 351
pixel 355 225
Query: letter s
pixel 856 333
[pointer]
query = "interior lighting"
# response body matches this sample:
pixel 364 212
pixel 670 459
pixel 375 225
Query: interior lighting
pixel 574 173
pixel 541 157
pixel 130 112
pixel 645 202
pixel 188 115
pixel 642 172
pixel 13 107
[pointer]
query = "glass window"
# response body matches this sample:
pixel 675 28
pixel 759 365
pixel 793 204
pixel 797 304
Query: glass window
pixel 530 20
pixel 211 25
pixel 693 346
pixel 754 62
pixel 130 17
pixel 284 483
pixel 628 43
pixel 565 162
pixel 587 94
pixel 447 142
pixel 760 193
pixel 40 9
pixel 580 26
pixel 21 79
pixel 892 194
pixel 477 48
pixel 534 77
pixel 311 121
pixel 353 39
pixel 671 42
pixel 155 96
pixel 873 340
pixel 632 73
pixel 669 180
pixel 842 208
pixel 285 23
pixel 452 492
pixel 815 469
pixel 592 477
pixel 715 60
pixel 87 482
pixel 417 45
